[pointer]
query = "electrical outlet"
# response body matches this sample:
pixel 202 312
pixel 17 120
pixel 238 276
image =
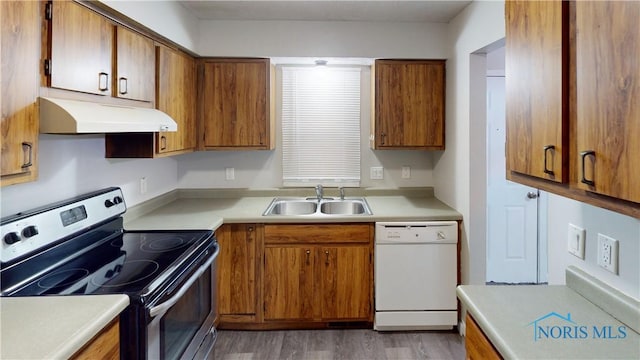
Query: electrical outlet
pixel 575 241
pixel 377 173
pixel 608 253
pixel 229 173
pixel 406 172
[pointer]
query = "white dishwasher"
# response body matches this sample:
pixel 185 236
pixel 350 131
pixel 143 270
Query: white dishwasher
pixel 416 275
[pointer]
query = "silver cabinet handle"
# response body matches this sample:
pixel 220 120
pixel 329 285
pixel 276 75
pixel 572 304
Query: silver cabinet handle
pixel 103 81
pixel 123 85
pixel 532 195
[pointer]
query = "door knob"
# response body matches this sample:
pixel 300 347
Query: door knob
pixel 532 195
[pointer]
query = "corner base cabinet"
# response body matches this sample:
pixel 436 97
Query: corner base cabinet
pixel 476 344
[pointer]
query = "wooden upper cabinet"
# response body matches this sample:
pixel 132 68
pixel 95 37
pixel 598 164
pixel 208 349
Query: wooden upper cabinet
pixel 408 104
pixel 536 68
pixel 176 79
pixel 135 66
pixel 20 48
pixel 237 108
pixel 81 49
pixel 608 98
pixel 90 54
pixel 176 96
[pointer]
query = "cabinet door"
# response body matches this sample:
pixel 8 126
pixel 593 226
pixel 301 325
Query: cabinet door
pixel 236 104
pixel 288 283
pixel 536 68
pixel 135 66
pixel 607 97
pixel 237 269
pixel 81 48
pixel 409 104
pixel 176 79
pixel 345 286
pixel 20 48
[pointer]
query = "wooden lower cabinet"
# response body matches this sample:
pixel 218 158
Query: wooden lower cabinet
pixel 318 272
pixel 237 295
pixel 294 275
pixel 476 343
pixel 105 345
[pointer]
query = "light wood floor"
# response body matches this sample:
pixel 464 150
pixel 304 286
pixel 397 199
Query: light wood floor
pixel 338 344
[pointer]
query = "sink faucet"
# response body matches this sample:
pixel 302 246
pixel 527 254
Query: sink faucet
pixel 341 192
pixel 319 192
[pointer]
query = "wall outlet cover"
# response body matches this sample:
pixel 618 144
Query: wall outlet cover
pixel 608 253
pixel 377 173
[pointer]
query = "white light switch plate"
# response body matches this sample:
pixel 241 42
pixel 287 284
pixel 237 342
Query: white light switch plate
pixel 230 173
pixel 575 241
pixel 406 172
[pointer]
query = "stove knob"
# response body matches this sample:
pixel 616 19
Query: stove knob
pixel 108 203
pixel 117 200
pixel 11 238
pixel 30 231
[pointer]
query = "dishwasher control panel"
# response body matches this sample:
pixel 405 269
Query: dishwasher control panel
pixel 417 232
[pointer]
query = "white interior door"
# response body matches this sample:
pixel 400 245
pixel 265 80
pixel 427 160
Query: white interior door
pixel 512 209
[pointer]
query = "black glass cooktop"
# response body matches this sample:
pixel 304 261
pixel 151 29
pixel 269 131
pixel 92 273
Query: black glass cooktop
pixel 124 262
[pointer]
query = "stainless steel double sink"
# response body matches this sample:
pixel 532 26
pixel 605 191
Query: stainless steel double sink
pixel 313 207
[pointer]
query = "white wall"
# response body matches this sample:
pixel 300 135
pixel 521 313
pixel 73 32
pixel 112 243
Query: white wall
pixel 323 38
pixel 71 165
pixel 479 25
pixel 263 169
pixel 625 229
pixel 167 18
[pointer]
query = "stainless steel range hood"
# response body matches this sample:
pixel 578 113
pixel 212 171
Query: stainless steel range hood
pixel 62 116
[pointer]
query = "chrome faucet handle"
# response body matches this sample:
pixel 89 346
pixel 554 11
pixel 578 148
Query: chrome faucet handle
pixel 319 192
pixel 341 192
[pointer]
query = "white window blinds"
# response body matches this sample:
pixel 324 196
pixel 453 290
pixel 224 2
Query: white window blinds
pixel 321 126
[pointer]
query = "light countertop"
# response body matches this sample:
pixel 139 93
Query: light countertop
pixel 204 210
pixel 54 327
pixel 548 322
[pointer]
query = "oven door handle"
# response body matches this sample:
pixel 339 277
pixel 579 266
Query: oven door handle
pixel 162 308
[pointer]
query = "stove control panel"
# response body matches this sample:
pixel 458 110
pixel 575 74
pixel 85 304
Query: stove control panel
pixel 28 232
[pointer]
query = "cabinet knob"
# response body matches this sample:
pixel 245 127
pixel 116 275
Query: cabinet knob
pixel 308 252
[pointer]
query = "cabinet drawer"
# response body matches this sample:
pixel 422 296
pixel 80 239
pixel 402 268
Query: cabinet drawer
pixel 317 233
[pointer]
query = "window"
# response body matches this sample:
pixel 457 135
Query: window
pixel 321 126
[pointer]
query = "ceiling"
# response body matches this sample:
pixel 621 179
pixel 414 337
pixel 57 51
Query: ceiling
pixel 328 10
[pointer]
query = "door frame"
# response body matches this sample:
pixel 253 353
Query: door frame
pixel 478 163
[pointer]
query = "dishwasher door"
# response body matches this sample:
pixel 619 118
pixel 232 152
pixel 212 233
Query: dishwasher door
pixel 416 275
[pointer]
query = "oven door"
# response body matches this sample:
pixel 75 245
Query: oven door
pixel 182 325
